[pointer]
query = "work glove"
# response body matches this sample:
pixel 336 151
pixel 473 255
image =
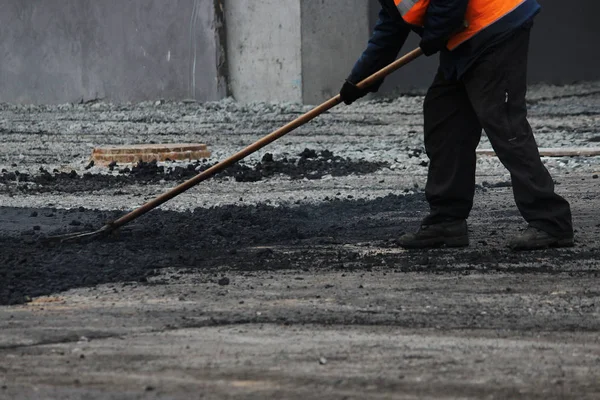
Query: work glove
pixel 435 45
pixel 350 92
pixel 432 46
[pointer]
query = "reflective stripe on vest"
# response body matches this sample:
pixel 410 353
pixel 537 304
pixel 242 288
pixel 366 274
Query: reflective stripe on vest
pixel 480 14
pixel 413 11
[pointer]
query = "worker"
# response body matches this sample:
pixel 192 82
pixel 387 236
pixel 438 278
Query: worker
pixel 480 83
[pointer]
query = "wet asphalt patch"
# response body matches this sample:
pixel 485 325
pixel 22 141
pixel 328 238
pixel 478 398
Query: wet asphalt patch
pixel 346 235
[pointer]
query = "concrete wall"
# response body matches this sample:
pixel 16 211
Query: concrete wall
pixel 263 50
pixel 56 51
pixel 333 37
pixel 292 50
pixel 565 42
pixel 564 45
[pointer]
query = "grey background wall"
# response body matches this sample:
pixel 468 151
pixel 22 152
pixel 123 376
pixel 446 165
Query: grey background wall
pixel 263 49
pixel 566 42
pixel 292 50
pixel 564 47
pixel 55 51
pixel 333 37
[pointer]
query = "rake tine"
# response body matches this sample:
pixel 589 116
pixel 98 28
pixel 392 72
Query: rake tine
pixel 80 236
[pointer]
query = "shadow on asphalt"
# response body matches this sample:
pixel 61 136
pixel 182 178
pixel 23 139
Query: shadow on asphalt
pixel 339 234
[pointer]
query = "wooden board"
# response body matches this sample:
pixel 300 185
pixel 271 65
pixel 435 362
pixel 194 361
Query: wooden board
pixel 556 152
pixel 148 152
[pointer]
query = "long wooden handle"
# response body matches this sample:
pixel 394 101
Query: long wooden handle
pixel 315 112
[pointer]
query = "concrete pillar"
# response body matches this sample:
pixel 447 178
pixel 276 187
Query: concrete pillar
pixel 334 34
pixel 263 50
pixel 292 50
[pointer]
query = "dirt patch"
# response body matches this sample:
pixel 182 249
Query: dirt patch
pixel 309 164
pixel 206 238
pixel 340 234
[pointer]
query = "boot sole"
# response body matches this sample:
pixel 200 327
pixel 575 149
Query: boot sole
pixel 458 241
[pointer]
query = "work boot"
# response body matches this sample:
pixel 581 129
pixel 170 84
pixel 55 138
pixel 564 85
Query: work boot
pixel 450 234
pixel 534 238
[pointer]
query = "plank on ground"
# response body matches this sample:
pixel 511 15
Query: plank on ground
pixel 555 152
pixel 148 152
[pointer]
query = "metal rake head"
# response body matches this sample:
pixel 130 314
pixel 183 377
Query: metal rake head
pixel 80 236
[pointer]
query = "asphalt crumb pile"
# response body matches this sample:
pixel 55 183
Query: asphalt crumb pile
pixel 344 235
pixel 310 164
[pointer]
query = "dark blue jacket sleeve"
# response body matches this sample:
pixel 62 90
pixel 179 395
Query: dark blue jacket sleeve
pixel 386 42
pixel 443 19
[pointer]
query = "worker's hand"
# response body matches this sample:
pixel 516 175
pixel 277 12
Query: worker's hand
pixel 430 47
pixel 350 93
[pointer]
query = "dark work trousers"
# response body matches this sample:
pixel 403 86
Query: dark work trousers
pixel 491 95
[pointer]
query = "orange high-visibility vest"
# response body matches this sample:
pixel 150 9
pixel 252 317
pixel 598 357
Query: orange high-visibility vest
pixel 480 14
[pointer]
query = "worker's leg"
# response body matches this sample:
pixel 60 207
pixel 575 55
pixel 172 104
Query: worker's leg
pixel 496 86
pixel 452 132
